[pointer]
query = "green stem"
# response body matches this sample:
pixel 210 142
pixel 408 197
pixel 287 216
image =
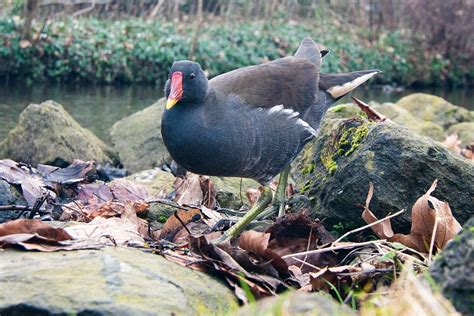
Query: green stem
pixel 280 191
pixel 263 201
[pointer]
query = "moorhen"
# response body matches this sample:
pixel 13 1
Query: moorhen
pixel 253 121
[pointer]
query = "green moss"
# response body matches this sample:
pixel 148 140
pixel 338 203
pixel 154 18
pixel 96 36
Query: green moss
pixel 307 186
pixel 344 145
pixel 162 218
pixel 309 168
pixel 338 108
pixel 450 112
pixel 328 161
pixel 352 138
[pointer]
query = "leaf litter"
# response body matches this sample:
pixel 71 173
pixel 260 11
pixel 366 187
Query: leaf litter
pixel 295 252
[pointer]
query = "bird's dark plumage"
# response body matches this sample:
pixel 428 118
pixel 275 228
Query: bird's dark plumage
pixel 253 121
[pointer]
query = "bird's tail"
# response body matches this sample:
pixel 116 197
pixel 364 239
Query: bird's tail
pixel 312 51
pixel 338 85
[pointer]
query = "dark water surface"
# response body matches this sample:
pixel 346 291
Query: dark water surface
pixel 99 107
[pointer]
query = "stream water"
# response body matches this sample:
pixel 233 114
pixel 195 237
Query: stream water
pixel 99 107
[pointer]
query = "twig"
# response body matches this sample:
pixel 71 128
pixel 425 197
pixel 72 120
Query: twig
pixel 351 245
pixel 169 203
pixel 182 223
pixel 306 263
pixel 433 236
pixel 308 245
pixel 13 207
pixel 240 191
pixel 367 226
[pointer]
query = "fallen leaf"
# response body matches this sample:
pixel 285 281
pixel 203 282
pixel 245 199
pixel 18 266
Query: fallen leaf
pixel 372 114
pixel 382 229
pixel 117 231
pixel 40 243
pixel 337 276
pixel 77 171
pixel 252 196
pixel 33 226
pixel 174 224
pixel 257 243
pixel 194 189
pixel 126 190
pixel 32 186
pixel 452 142
pixel 94 193
pixel 423 223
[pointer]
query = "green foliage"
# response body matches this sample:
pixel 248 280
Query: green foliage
pixel 135 50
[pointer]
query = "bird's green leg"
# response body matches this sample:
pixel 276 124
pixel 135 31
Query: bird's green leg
pixel 279 200
pixel 262 202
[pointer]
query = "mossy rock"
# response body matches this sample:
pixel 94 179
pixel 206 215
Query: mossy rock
pixel 453 270
pixel 465 132
pixel 298 304
pixel 344 111
pixel 435 109
pixel 109 281
pixel 334 172
pixel 404 117
pixel 47 134
pixel 137 138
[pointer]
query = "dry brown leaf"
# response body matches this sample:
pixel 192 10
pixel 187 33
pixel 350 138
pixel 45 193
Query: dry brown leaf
pixel 257 243
pixel 383 229
pixel 31 184
pixel 77 171
pixel 254 241
pixel 173 225
pixel 188 190
pixel 372 114
pixel 39 243
pixel 94 193
pixel 423 223
pixel 334 275
pixel 452 142
pixel 209 192
pixel 33 226
pixel 123 231
pixel 126 190
pixel 252 196
pixel 105 210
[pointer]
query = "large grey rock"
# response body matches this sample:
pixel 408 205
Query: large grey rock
pixel 336 168
pixel 9 195
pixel 453 270
pixel 297 303
pixel 47 134
pixel 137 138
pixel 111 281
pixel 434 109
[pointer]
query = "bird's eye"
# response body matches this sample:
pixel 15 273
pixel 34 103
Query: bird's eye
pixel 192 75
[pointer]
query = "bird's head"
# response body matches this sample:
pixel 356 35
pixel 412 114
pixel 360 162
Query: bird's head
pixel 186 83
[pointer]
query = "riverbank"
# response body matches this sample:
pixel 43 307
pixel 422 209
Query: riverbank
pixel 139 51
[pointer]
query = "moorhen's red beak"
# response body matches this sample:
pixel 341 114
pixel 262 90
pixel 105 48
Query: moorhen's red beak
pixel 176 89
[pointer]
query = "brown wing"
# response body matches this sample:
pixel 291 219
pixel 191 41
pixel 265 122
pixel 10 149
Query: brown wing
pixel 290 81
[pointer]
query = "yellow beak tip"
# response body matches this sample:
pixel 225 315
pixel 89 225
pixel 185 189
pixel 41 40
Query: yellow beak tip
pixel 170 103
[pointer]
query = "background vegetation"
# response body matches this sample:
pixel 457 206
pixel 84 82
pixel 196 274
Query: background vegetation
pixel 415 42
